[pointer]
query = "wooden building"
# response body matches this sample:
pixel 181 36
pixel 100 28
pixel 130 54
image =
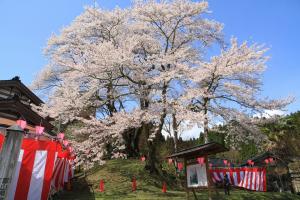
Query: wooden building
pixel 15 103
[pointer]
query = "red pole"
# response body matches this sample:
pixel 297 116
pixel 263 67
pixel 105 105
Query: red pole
pixel 133 184
pixel 164 187
pixel 101 186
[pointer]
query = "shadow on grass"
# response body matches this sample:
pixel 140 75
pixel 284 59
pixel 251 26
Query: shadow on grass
pixel 81 189
pixel 127 169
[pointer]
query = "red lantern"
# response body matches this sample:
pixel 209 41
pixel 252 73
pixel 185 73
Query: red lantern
pixel 266 161
pixel 101 185
pixel 252 163
pixel 200 160
pixel 143 158
pixel 271 160
pixel 21 123
pixel 70 149
pixel 249 162
pixel 164 187
pixel 60 136
pixel 65 142
pixel 225 162
pixel 228 164
pixel 210 165
pixel 73 156
pixel 133 184
pixel 180 166
pixel 170 161
pixel 39 130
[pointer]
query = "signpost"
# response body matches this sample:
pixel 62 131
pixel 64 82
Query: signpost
pixel 197 173
pixel 9 157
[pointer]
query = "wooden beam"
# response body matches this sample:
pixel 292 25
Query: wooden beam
pixel 195 195
pixel 22 110
pixel 9 122
pixel 209 184
pixel 17 84
pixel 186 181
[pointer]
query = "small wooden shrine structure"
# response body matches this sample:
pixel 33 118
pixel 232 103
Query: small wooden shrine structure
pixel 15 103
pixel 190 156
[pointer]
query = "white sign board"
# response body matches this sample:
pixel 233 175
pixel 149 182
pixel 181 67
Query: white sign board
pixel 196 176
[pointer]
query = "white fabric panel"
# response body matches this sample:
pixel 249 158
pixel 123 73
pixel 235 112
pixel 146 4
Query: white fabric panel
pixel 245 179
pixel 257 180
pixel 249 180
pixel 261 181
pixel 73 169
pixel 242 174
pixel 235 179
pixel 57 166
pixel 13 186
pixel 228 175
pixel 216 176
pixel 37 177
pixel 61 175
pixel 196 175
pixel 222 176
pixel 253 180
pixel 66 175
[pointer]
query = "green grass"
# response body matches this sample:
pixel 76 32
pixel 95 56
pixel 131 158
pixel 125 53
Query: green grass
pixel 117 175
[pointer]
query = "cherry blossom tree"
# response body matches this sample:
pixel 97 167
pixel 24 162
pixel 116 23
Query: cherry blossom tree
pixel 134 68
pixel 227 88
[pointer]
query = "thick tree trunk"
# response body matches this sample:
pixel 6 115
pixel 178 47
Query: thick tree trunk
pixel 151 149
pixel 131 138
pixel 152 145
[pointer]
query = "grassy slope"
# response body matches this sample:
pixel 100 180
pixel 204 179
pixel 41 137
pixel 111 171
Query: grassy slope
pixel 117 175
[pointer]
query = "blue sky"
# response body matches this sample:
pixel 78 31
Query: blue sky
pixel 25 27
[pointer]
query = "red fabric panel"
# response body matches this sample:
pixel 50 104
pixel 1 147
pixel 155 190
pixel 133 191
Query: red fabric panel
pixel 62 178
pixel 231 175
pixel 265 180
pixel 59 172
pixel 238 175
pixel 247 177
pixel 255 178
pixel 70 172
pixel 1 140
pixel 63 154
pixel 25 175
pixel 48 174
pixel 30 144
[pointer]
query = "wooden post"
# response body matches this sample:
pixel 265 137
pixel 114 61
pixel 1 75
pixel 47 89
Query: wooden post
pixel 186 183
pixel 9 158
pixel 208 178
pixel 195 195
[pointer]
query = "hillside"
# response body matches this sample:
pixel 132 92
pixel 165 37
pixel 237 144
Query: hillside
pixel 117 175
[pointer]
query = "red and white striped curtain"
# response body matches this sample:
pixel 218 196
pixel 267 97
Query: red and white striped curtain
pixel 39 163
pixel 248 178
pixel 63 171
pixel 34 170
